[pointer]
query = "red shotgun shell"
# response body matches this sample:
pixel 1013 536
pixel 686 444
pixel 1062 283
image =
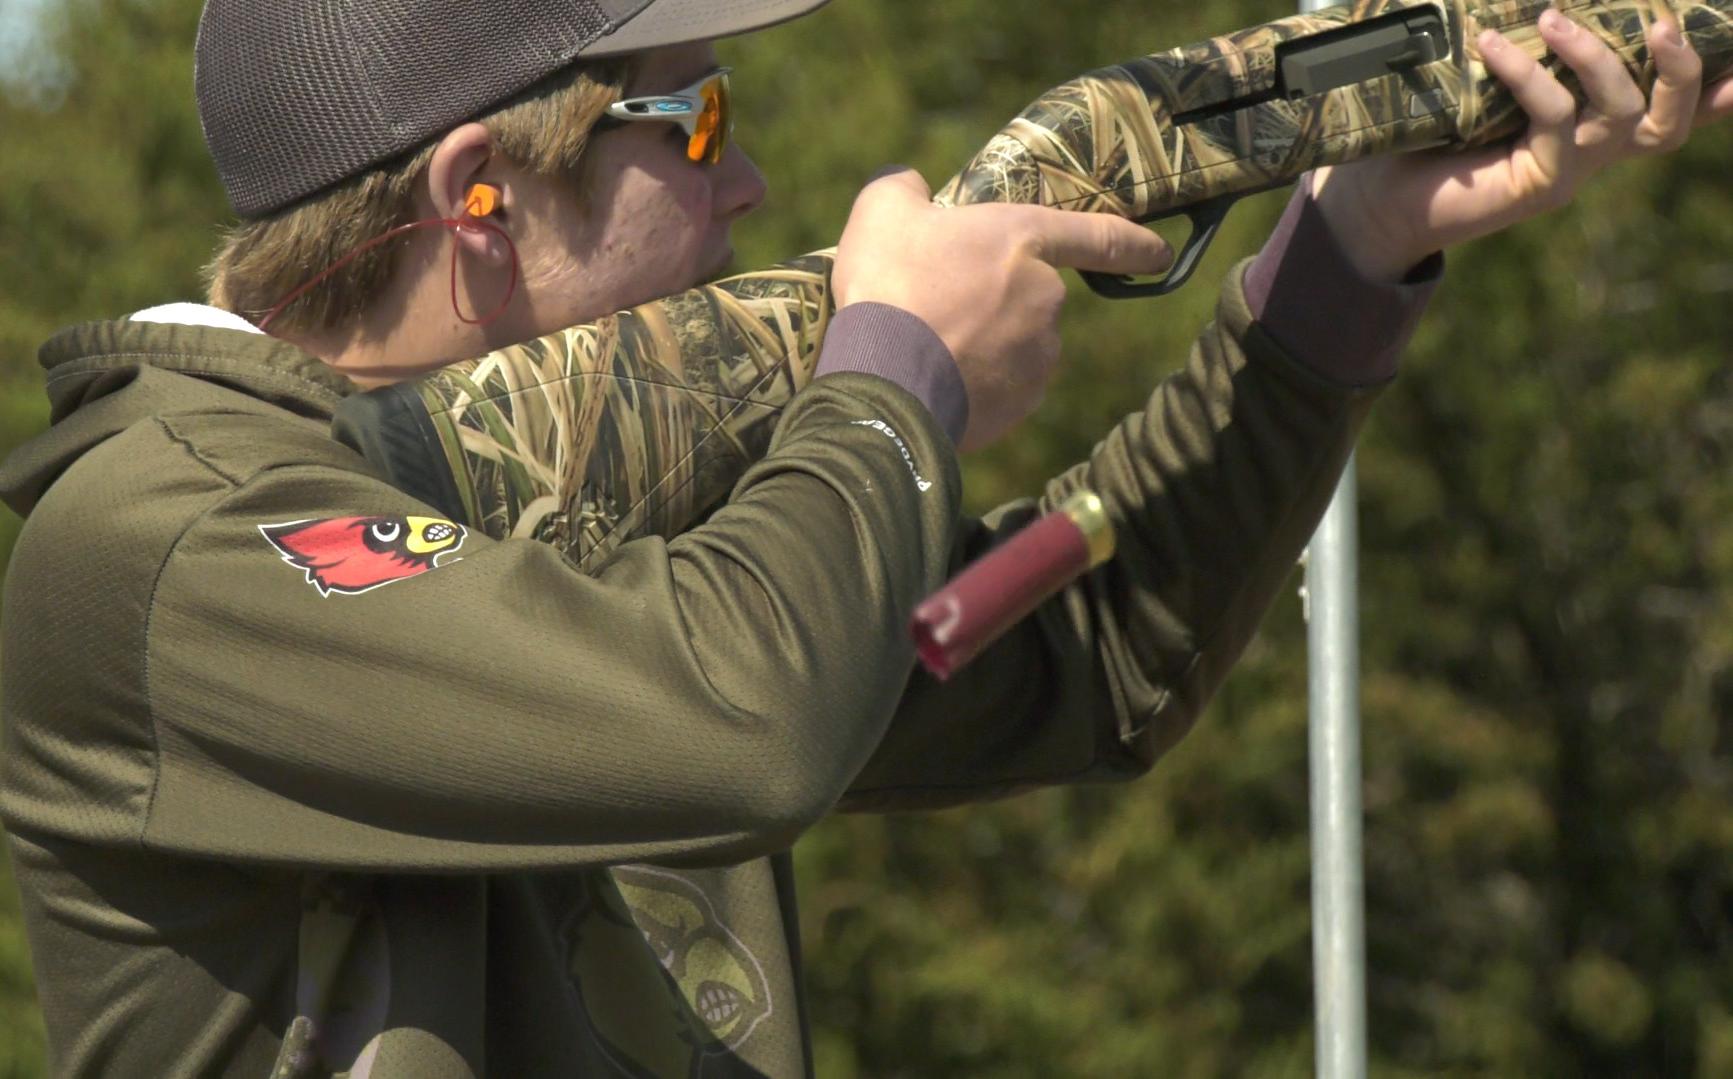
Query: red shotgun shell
pixel 998 590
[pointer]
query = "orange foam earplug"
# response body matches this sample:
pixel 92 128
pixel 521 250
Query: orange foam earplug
pixel 482 201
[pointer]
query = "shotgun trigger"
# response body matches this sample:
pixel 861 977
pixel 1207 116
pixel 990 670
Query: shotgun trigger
pixel 1206 221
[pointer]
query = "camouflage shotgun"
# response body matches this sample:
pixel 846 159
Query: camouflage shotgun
pixel 639 423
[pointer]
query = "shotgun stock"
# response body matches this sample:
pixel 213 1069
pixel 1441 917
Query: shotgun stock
pixel 639 423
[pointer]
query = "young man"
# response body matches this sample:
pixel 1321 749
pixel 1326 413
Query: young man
pixel 487 815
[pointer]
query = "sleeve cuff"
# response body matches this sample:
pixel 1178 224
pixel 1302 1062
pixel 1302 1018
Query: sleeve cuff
pixel 878 339
pixel 1312 301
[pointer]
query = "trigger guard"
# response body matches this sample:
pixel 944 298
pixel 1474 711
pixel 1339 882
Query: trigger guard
pixel 1206 220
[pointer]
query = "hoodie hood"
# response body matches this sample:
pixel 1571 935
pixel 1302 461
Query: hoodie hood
pixel 103 377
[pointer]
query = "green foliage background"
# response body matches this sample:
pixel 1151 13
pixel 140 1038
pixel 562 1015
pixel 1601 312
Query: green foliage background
pixel 1547 523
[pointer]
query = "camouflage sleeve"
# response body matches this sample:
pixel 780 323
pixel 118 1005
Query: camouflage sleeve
pixel 1213 489
pixel 336 679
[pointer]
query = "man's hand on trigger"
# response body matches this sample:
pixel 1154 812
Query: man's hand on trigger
pixel 986 279
pixel 1391 212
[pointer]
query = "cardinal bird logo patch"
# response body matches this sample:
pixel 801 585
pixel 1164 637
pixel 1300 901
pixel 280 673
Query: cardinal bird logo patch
pixel 352 555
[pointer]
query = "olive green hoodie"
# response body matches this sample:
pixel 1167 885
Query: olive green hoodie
pixel 300 780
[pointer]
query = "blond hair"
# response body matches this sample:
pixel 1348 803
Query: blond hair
pixel 544 129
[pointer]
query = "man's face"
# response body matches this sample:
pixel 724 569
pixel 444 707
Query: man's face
pixel 651 222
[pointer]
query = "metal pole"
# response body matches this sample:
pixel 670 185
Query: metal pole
pixel 1338 893
pixel 1338 933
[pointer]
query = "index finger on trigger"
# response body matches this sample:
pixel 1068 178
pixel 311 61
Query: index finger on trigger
pixel 1074 239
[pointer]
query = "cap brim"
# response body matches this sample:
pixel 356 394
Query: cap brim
pixel 676 22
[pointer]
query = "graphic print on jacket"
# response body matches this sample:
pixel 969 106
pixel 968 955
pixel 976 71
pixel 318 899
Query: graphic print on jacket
pixel 351 555
pixel 716 988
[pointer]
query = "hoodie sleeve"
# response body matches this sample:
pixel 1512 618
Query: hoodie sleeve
pixel 333 678
pixel 1213 489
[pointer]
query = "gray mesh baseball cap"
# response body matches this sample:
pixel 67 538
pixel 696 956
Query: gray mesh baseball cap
pixel 295 95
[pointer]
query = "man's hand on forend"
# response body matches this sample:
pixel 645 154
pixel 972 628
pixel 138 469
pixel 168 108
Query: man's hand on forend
pixel 1390 213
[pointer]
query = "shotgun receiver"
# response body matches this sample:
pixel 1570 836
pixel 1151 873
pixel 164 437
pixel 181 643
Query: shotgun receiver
pixel 639 423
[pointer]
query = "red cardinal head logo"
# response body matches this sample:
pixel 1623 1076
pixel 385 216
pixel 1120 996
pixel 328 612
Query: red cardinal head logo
pixel 353 554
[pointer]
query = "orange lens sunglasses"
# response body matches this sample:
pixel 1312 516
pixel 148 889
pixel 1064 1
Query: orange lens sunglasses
pixel 704 110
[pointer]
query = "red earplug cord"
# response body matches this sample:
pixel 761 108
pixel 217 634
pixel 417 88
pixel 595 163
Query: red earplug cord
pixel 483 201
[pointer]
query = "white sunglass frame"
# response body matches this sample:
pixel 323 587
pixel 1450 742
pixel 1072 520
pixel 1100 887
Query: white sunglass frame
pixel 682 107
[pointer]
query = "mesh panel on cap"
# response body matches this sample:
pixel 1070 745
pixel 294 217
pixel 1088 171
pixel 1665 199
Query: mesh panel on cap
pixel 435 62
pixel 276 111
pixel 297 96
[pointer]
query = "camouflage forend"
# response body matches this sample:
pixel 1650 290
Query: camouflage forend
pixel 639 423
pixel 1155 135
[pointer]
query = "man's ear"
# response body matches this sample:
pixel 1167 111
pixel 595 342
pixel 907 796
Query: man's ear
pixel 458 164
